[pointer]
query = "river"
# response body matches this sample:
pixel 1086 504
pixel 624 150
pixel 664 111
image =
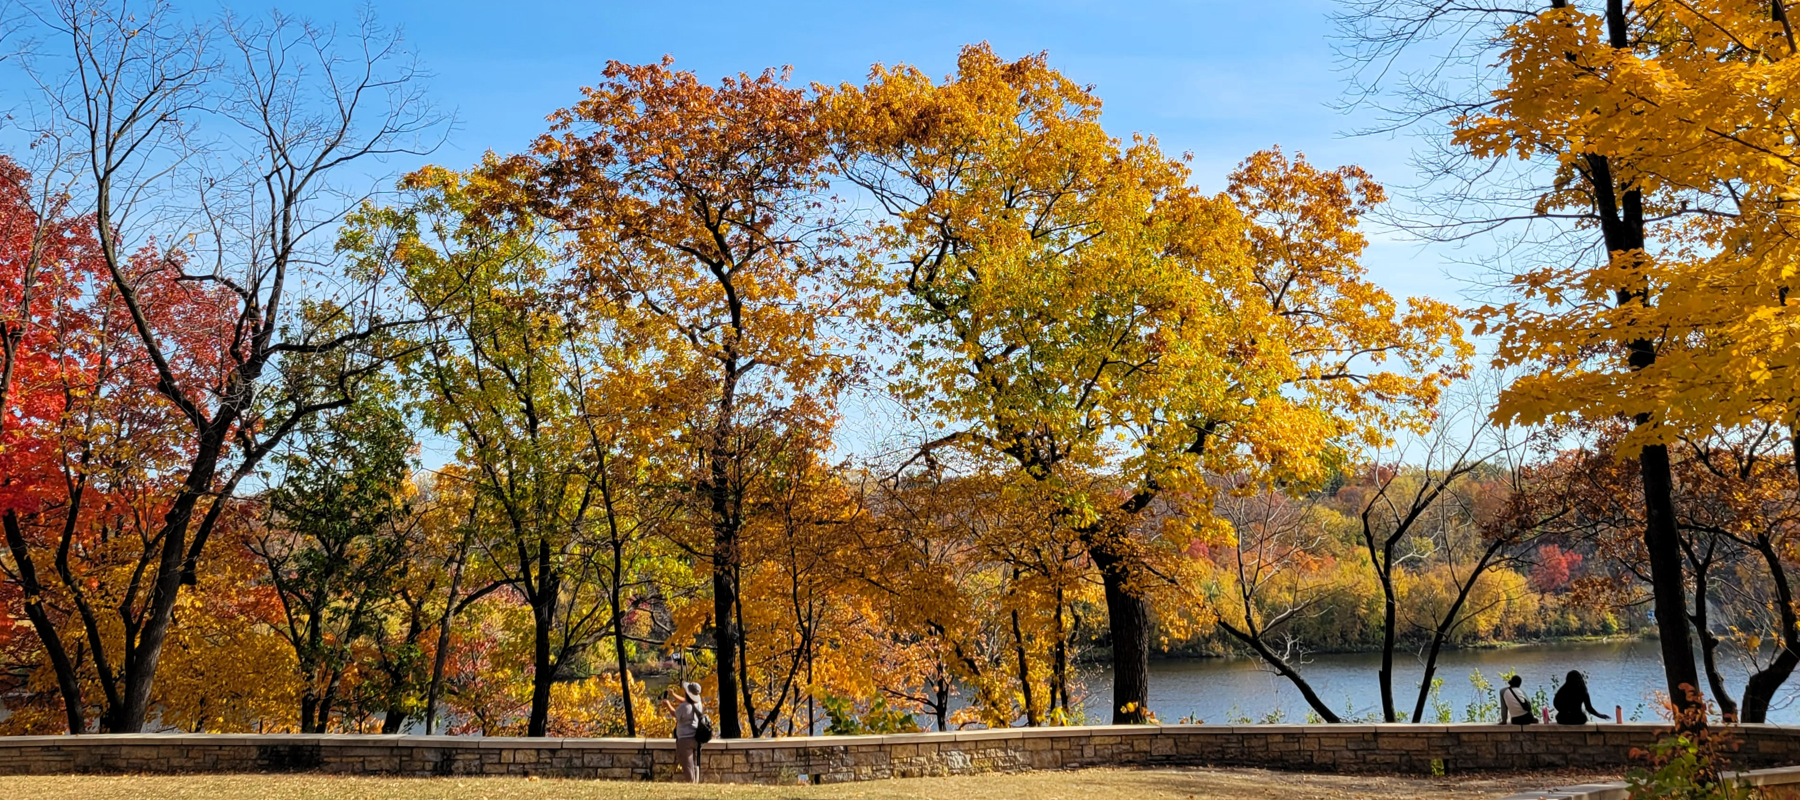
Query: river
pixel 1625 673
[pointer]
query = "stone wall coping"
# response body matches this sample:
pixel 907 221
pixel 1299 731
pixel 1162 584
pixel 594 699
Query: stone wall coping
pixel 980 734
pixel 616 743
pixel 1777 776
pixel 1399 748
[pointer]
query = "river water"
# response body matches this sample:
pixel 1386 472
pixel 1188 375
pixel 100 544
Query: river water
pixel 1625 673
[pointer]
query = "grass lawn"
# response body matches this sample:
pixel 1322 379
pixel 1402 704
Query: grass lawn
pixel 1095 784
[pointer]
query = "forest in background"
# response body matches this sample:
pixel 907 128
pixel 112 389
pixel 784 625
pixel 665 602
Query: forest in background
pixel 1127 417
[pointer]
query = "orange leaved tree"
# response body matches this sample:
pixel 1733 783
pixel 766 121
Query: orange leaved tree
pixel 700 212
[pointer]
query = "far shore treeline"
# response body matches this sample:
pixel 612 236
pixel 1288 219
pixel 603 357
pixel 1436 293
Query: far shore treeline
pixel 876 406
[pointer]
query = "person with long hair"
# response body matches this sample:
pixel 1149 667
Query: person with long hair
pixel 1572 701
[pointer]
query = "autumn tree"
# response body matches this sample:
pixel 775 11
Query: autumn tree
pixel 1736 517
pixel 1071 306
pixel 49 261
pixel 239 229
pixel 983 592
pixel 1741 496
pixel 1654 132
pixel 556 410
pixel 1416 505
pixel 334 542
pixel 700 212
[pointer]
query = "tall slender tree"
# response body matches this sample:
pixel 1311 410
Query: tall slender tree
pixel 702 212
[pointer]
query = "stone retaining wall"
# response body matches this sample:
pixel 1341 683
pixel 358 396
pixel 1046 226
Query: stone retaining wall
pixel 1418 749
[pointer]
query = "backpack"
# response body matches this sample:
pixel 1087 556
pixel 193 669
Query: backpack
pixel 703 730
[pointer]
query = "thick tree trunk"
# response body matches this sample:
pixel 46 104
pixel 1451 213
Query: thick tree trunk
pixel 543 616
pixel 543 673
pixel 1128 617
pixel 727 642
pixel 1621 212
pixel 1760 690
pixel 1668 587
pixel 144 655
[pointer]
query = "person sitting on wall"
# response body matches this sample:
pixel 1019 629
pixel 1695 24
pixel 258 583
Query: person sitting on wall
pixel 1572 699
pixel 1514 707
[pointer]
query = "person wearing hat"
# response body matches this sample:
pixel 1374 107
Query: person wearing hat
pixel 684 704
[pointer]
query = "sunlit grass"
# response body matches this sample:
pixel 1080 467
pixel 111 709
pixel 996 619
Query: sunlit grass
pixel 1082 785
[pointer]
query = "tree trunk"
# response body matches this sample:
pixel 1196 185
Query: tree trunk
pixel 309 705
pixel 328 700
pixel 619 650
pixel 1761 687
pixel 726 641
pixel 144 655
pixel 725 652
pixel 1284 669
pixel 1128 617
pixel 941 709
pixel 1668 585
pixel 1709 644
pixel 1621 212
pixel 66 682
pixel 543 672
pixel 1059 668
pixel 441 658
pixel 1031 708
pixel 746 700
pixel 1389 636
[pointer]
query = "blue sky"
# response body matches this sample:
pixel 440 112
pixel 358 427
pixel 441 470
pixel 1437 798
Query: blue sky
pixel 1218 79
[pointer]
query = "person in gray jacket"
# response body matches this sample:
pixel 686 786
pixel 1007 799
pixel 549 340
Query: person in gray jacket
pixel 684 704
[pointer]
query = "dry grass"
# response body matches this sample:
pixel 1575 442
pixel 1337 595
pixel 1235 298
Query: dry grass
pixel 1097 784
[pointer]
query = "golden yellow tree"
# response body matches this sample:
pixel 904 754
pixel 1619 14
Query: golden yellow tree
pixel 1667 127
pixel 1073 308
